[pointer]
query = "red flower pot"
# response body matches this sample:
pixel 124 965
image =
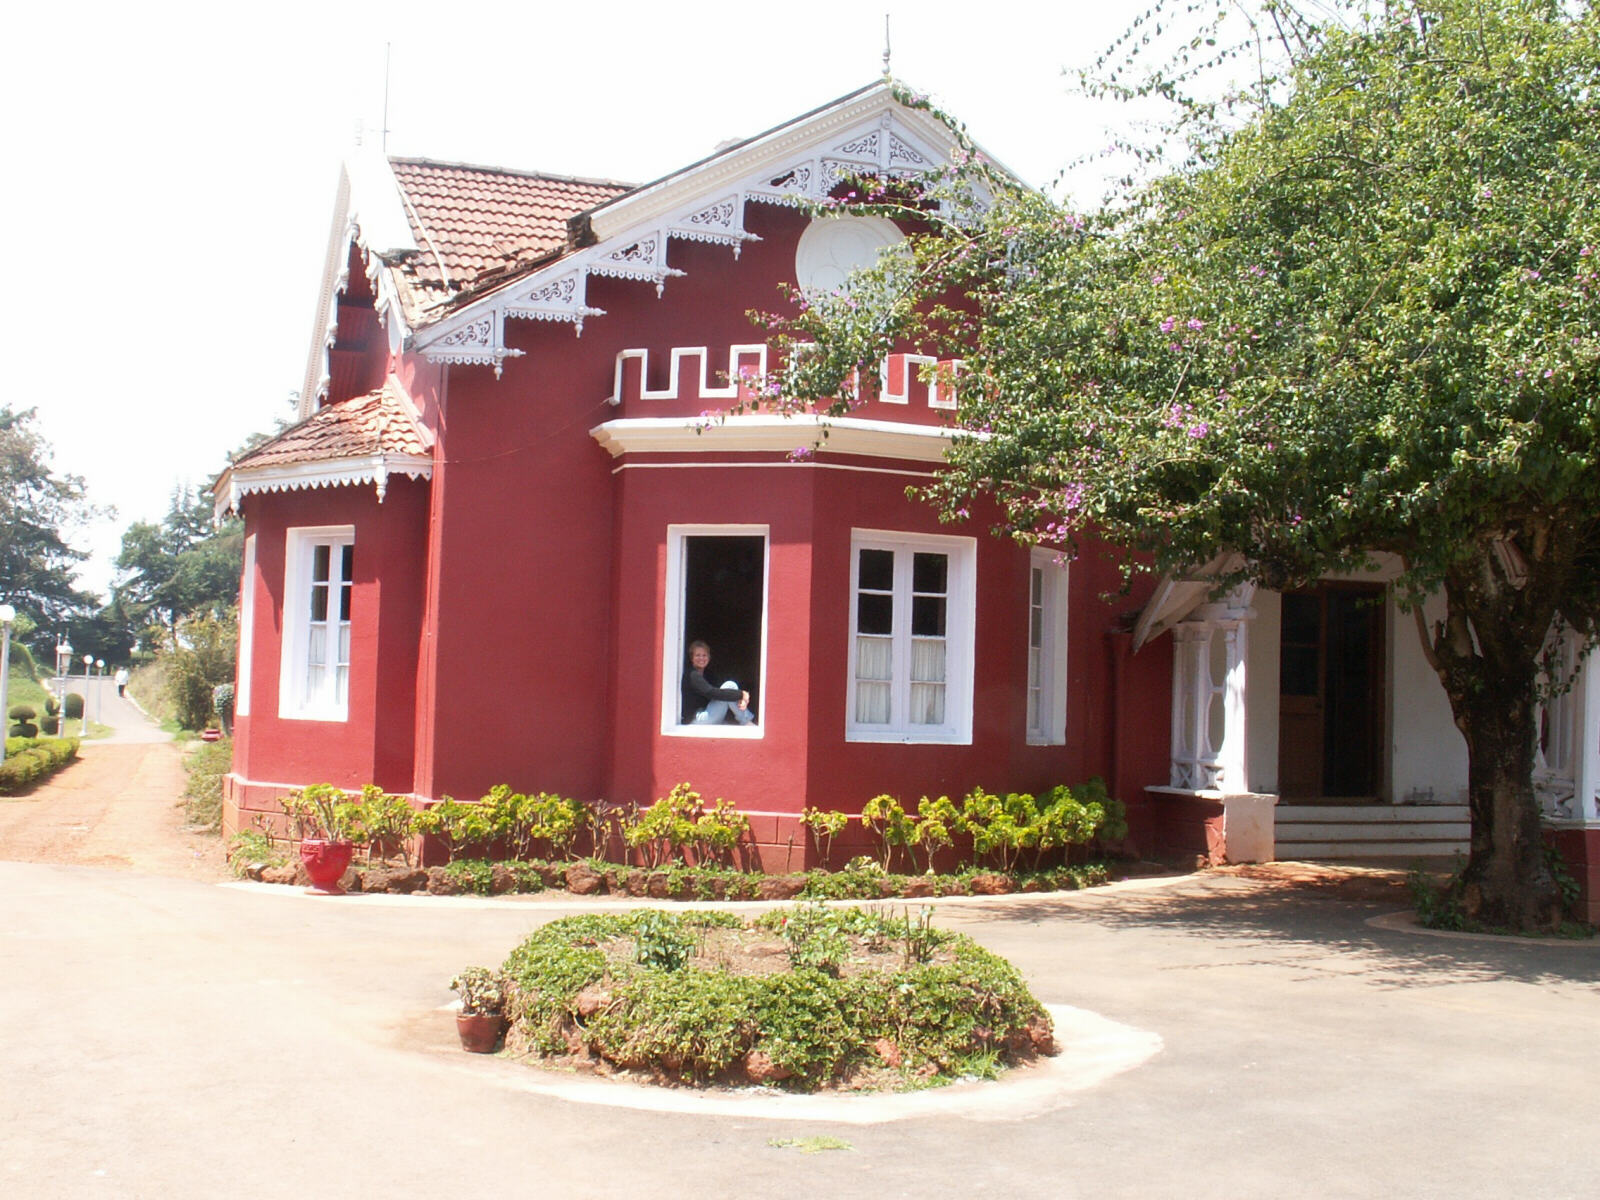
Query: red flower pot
pixel 326 862
pixel 480 1032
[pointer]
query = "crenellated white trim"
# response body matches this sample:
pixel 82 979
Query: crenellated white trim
pixel 340 472
pixel 900 371
pixel 755 354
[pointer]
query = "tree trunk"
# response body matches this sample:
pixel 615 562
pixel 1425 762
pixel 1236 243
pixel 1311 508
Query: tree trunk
pixel 1500 607
pixel 1507 881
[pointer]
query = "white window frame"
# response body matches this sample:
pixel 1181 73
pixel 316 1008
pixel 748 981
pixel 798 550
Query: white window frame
pixel 1051 727
pixel 960 625
pixel 674 649
pixel 300 544
pixel 247 628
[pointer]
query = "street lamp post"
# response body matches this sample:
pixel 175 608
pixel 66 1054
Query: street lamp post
pixel 63 666
pixel 99 685
pixel 88 665
pixel 7 616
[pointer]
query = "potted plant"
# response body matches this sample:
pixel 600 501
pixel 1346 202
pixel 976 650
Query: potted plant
pixel 324 820
pixel 483 1008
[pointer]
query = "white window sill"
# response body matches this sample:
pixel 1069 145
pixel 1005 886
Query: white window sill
pixel 747 733
pixel 899 737
pixel 329 716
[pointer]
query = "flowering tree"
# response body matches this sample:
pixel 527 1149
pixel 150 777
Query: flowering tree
pixel 1362 315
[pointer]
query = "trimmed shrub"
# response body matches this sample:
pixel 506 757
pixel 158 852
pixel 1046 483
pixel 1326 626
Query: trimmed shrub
pixel 74 706
pixel 29 760
pixel 873 998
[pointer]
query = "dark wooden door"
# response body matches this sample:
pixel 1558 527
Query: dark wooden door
pixel 1331 689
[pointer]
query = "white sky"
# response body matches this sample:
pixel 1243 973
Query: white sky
pixel 172 167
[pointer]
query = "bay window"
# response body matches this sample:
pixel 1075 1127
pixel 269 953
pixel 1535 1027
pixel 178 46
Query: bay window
pixel 910 674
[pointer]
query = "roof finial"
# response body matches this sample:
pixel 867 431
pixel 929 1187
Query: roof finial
pixel 886 72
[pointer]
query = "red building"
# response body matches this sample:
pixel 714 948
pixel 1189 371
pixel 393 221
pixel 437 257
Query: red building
pixel 483 554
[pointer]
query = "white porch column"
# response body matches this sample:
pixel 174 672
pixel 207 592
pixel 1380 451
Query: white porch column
pixel 1586 690
pixel 1233 757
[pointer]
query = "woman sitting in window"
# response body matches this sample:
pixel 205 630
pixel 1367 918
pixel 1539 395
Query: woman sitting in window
pixel 704 704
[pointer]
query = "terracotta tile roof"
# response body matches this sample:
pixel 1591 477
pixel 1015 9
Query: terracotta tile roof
pixel 381 422
pixel 477 222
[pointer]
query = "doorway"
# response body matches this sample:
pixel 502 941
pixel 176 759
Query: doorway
pixel 1331 692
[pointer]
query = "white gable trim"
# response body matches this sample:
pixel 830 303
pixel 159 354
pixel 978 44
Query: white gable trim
pixel 869 133
pixel 367 211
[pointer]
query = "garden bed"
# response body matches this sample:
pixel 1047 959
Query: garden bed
pixel 676 882
pixel 854 998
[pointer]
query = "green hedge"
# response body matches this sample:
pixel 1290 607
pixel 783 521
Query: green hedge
pixel 29 760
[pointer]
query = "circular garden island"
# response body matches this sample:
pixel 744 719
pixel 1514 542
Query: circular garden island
pixel 803 999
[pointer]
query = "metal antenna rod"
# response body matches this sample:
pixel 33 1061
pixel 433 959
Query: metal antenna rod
pixel 385 136
pixel 886 72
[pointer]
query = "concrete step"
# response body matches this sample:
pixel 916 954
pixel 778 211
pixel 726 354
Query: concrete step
pixel 1311 851
pixel 1375 814
pixel 1388 831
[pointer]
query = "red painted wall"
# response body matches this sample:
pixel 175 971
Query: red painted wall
pixel 374 744
pixel 510 617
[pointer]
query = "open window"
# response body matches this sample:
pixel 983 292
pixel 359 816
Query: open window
pixel 911 638
pixel 716 594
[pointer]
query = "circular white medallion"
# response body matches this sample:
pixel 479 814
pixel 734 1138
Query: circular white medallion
pixel 832 247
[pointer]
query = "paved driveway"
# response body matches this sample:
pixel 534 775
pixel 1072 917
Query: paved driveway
pixel 168 1038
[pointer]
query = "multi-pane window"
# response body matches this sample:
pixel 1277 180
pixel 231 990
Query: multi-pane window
pixel 315 681
pixel 911 631
pixel 328 626
pixel 1047 648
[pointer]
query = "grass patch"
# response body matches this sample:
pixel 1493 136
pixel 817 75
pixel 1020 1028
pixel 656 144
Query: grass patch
pixel 810 1145
pixel 249 848
pixel 206 766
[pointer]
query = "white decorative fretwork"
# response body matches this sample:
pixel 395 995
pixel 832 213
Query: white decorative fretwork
pixel 1209 715
pixel 478 341
pixel 564 298
pixel 644 259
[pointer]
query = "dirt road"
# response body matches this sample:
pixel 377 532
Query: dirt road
pixel 120 806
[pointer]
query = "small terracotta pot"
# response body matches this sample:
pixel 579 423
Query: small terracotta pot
pixel 480 1032
pixel 326 862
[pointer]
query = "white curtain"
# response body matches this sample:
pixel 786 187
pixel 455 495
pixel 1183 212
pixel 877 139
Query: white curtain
pixel 927 681
pixel 1034 684
pixel 316 658
pixel 874 670
pixel 341 680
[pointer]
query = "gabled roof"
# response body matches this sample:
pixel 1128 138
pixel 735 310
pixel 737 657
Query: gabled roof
pixel 455 251
pixel 364 439
pixel 472 222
